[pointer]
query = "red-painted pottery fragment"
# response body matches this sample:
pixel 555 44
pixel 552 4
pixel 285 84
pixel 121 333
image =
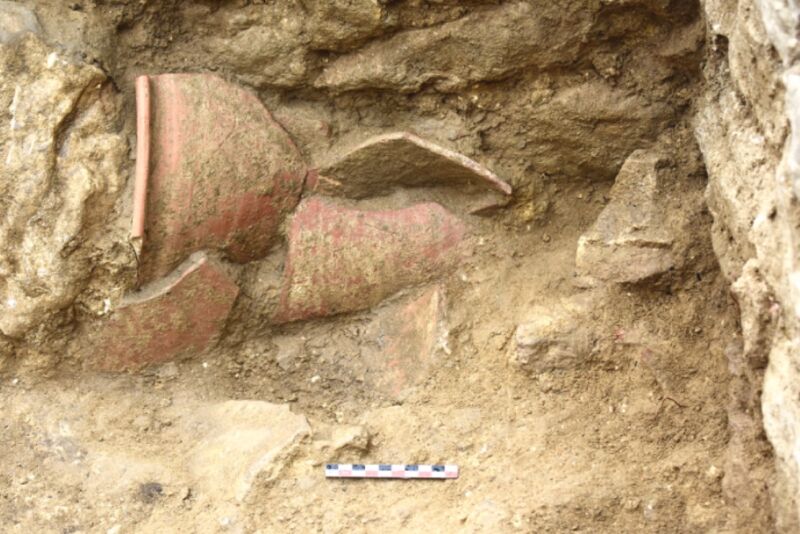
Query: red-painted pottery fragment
pixel 180 314
pixel 222 172
pixel 342 259
pixel 401 159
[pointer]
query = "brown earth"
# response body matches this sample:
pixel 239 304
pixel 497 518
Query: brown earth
pixel 638 415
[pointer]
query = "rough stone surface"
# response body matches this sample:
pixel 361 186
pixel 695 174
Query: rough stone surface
pixel 629 241
pixel 408 339
pixel 340 440
pixel 554 339
pixel 401 158
pixel 223 173
pixel 747 359
pixel 15 21
pixel 741 126
pixel 63 168
pixel 239 442
pixel 178 315
pixel 343 259
pixel 484 46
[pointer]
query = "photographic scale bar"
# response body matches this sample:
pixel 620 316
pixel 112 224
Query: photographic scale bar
pixel 402 471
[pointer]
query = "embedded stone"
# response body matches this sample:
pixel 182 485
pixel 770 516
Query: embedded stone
pixel 221 172
pixel 63 169
pixel 552 340
pixel 404 341
pixel 386 161
pixel 629 241
pixel 239 441
pixel 343 259
pixel 15 21
pixel 179 315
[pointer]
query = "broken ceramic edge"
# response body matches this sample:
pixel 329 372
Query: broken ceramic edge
pixel 142 156
pixel 487 206
pixel 217 171
pixel 483 174
pixel 184 311
pixel 409 337
pixel 164 285
pixel 387 251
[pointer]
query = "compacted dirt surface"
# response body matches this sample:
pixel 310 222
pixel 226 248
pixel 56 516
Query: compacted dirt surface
pixel 632 438
pixel 575 362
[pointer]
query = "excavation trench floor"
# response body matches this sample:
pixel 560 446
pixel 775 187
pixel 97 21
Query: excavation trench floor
pixel 619 442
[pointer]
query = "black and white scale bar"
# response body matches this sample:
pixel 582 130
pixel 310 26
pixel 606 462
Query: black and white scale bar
pixel 404 471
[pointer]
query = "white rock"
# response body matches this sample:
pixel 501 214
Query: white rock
pixel 239 441
pixel 15 21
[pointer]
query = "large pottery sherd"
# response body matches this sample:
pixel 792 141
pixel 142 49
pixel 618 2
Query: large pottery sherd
pixel 180 314
pixel 218 172
pixel 343 259
pixel 382 162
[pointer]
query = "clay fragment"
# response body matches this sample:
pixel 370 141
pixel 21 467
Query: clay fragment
pixel 629 241
pixel 342 259
pixel 178 315
pixel 406 339
pixel 222 172
pixel 374 167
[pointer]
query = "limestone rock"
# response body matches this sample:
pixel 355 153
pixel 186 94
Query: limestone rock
pixel 781 413
pixel 553 340
pixel 342 438
pixel 343 259
pixel 758 313
pixel 64 165
pixel 753 181
pixel 15 21
pixel 481 46
pixel 355 437
pixel 628 241
pixel 223 173
pixel 405 341
pixel 240 441
pixel 182 313
pixel 735 154
pixel 401 158
pixel 781 24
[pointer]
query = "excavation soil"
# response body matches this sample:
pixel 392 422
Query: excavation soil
pixel 633 437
